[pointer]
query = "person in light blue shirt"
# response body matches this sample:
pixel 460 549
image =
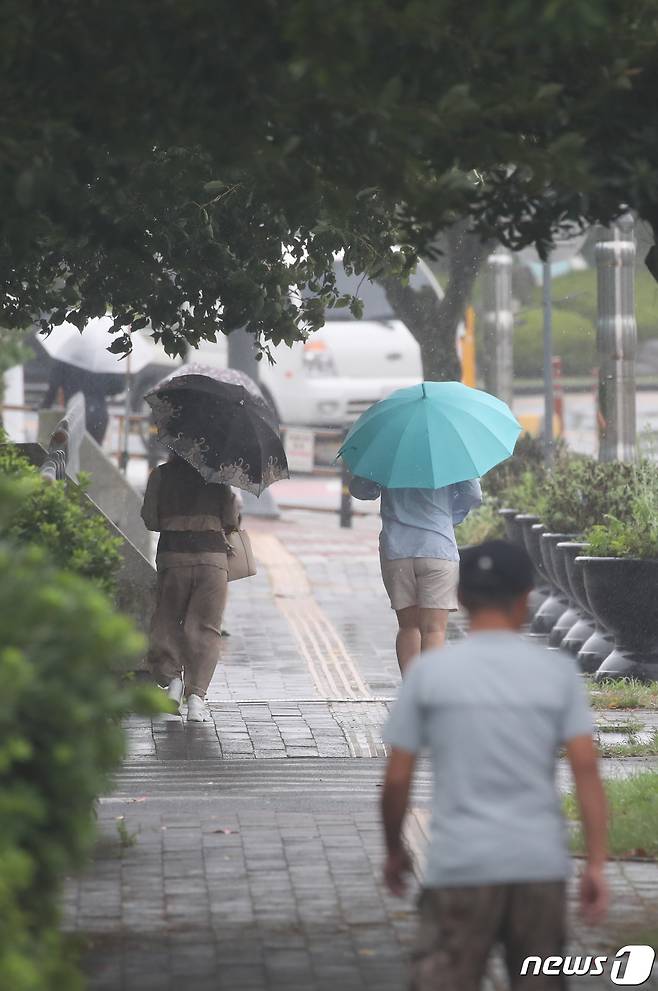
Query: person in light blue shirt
pixel 419 557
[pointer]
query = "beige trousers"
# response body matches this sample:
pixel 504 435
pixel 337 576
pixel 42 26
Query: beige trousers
pixel 186 625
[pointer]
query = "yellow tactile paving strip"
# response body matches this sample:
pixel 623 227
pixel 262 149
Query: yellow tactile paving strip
pixel 334 672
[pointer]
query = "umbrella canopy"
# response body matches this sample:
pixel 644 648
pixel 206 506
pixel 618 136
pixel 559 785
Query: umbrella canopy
pixel 230 375
pixel 88 349
pixel 430 435
pixel 224 431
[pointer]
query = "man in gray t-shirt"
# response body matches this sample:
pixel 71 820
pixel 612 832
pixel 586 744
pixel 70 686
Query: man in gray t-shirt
pixel 494 711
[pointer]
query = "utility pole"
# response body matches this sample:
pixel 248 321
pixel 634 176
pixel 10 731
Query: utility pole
pixel 242 354
pixel 616 342
pixel 499 326
pixel 242 357
pixel 549 392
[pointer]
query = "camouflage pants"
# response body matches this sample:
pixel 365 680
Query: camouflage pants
pixel 460 926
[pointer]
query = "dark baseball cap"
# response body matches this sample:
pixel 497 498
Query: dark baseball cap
pixel 495 570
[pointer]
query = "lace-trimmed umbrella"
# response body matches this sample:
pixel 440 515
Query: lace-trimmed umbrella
pixel 221 428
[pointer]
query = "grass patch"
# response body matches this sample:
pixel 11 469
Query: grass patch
pixel 630 726
pixel 632 746
pixel 633 804
pixel 126 838
pixel 624 694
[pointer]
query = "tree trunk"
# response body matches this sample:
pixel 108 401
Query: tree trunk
pixel 434 323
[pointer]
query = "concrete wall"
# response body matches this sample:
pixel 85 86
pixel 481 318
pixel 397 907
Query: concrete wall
pixel 109 488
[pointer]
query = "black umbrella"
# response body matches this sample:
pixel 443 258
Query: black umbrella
pixel 221 429
pixel 230 375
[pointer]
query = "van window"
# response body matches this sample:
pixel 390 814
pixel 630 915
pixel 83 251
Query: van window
pixel 375 302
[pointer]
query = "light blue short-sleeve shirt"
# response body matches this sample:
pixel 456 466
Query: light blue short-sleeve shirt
pixel 420 523
pixel 493 711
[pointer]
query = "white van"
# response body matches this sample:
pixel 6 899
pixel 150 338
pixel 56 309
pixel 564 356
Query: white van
pixel 346 366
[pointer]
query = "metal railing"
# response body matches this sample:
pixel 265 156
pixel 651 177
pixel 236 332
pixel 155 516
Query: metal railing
pixel 64 445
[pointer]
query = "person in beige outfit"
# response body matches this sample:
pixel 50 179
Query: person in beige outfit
pixel 193 518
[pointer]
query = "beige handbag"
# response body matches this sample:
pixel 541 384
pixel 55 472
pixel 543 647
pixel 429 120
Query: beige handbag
pixel 241 563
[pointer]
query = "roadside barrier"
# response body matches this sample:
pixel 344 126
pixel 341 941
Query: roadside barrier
pixel 64 444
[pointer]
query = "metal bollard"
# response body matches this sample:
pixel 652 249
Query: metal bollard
pixel 345 497
pixel 616 343
pixel 499 326
pixel 558 394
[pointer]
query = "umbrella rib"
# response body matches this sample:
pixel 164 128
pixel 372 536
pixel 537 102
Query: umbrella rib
pixel 374 412
pixel 401 440
pixel 462 442
pixel 484 426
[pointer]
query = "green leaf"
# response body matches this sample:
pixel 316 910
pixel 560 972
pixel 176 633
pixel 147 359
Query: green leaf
pixel 214 186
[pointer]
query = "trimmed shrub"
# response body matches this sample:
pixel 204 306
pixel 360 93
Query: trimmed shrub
pixel 574 340
pixel 580 493
pixel 575 293
pixel 57 517
pixel 483 523
pixel 574 322
pixel 634 531
pixel 61 708
pixel 499 484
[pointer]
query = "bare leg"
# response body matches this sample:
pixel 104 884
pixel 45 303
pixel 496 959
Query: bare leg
pixel 433 624
pixel 408 642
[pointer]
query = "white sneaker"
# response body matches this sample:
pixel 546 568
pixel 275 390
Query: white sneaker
pixel 197 710
pixel 175 691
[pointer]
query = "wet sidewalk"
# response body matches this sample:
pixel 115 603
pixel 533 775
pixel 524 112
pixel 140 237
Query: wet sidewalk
pixel 245 854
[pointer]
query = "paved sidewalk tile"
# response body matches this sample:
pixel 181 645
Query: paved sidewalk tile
pixel 245 854
pixel 243 730
pixel 245 895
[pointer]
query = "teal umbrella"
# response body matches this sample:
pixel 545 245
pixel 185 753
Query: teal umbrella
pixel 430 435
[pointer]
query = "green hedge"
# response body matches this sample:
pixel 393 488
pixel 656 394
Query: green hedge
pixel 581 492
pixel 57 517
pixel 574 322
pixel 60 737
pixel 518 479
pixel 575 293
pixel 612 505
pixel 574 340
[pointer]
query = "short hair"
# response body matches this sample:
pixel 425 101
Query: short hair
pixel 493 575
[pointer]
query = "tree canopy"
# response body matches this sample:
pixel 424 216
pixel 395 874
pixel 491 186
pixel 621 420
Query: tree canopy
pixel 184 162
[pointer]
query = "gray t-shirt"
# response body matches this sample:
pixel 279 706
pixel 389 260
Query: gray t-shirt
pixel 493 710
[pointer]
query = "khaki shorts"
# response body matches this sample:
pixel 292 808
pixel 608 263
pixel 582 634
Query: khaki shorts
pixel 426 582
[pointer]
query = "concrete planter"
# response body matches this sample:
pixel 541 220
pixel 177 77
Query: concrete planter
pixel 571 614
pixel 587 638
pixel 513 531
pixel 622 595
pixel 554 604
pixel 526 522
